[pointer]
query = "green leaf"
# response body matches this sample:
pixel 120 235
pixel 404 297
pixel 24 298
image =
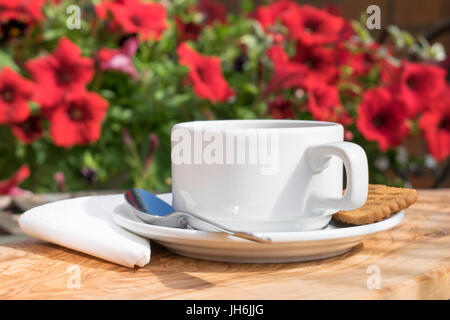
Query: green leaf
pixel 247 6
pixel 361 31
pixel 34 107
pixel 53 34
pixel 6 61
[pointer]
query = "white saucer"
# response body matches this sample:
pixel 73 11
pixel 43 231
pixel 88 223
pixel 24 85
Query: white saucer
pixel 331 241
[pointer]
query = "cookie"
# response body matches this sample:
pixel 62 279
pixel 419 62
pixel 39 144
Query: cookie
pixel 382 201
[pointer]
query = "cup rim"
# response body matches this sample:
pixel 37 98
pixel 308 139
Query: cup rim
pixel 258 124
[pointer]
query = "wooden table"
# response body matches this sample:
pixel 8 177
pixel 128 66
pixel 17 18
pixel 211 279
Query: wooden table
pixel 411 260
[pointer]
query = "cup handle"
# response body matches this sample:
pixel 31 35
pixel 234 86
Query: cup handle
pixel 355 162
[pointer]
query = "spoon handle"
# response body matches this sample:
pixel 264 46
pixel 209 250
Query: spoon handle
pixel 239 234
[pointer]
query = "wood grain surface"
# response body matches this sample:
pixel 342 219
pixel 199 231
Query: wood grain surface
pixel 413 261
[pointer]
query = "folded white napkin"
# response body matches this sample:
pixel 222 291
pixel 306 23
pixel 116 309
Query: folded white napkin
pixel 85 224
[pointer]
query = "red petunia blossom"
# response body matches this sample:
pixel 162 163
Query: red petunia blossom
pixel 324 104
pixel 29 130
pixel 382 118
pixel 212 11
pixel 286 74
pixel 15 93
pixel 78 120
pixel 389 72
pixel 280 108
pixel 147 19
pixel 277 54
pixel 418 83
pixel 313 26
pixel 364 60
pixel 268 15
pixel 64 72
pixel 332 9
pixel 361 63
pixel 187 30
pixel 102 8
pixel 435 125
pixel 120 59
pixel 10 186
pixel 320 63
pixel 206 74
pixel 26 11
pixel 347 30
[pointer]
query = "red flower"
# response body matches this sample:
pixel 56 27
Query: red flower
pixel 15 92
pixel 206 74
pixel 347 30
pixel 29 130
pixel 277 54
pixel 324 104
pixel 268 15
pixel 27 11
pixel 147 19
pixel 382 118
pixel 287 74
pixel 319 61
pixel 332 9
pixel 78 120
pixel 313 26
pixel 212 11
pixel 63 72
pixel 435 125
pixel 389 72
pixel 361 63
pixel 187 31
pixel 418 84
pixel 365 60
pixel 281 108
pixel 10 185
pixel 102 8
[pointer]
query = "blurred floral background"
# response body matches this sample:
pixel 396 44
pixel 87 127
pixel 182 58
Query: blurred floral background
pixel 90 106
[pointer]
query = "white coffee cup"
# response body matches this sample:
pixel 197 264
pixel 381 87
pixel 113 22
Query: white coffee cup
pixel 266 175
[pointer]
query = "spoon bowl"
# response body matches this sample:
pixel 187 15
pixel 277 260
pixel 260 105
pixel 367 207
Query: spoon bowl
pixel 153 210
